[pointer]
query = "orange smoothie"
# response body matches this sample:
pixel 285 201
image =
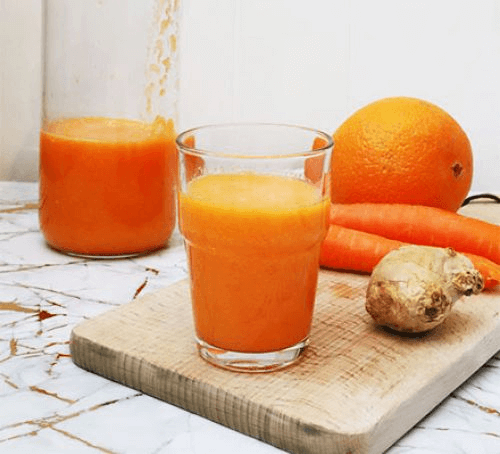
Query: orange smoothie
pixel 253 248
pixel 107 186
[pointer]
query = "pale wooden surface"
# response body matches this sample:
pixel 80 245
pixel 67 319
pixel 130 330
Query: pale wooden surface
pixel 357 389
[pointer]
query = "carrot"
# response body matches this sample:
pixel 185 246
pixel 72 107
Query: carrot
pixel 421 225
pixel 489 270
pixel 353 250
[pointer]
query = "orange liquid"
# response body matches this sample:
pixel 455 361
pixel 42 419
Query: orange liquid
pixel 253 248
pixel 107 186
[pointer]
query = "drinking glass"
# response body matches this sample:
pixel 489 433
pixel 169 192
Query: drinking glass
pixel 253 202
pixel 108 161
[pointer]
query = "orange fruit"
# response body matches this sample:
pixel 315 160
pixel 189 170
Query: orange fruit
pixel 401 150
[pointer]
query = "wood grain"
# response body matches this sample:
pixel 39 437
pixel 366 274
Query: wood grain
pixel 356 390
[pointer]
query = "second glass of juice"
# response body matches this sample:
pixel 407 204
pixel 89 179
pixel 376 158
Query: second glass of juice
pixel 253 201
pixel 108 160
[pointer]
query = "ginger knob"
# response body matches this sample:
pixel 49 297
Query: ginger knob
pixel 413 289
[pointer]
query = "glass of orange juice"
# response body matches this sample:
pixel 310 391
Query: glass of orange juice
pixel 108 160
pixel 253 202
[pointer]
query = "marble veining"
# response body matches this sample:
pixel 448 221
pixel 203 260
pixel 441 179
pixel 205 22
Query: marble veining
pixel 49 405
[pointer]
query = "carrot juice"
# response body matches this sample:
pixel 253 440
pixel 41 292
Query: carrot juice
pixel 107 186
pixel 253 248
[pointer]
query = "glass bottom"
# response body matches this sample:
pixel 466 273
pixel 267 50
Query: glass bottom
pixel 250 362
pixel 103 257
pixel 125 255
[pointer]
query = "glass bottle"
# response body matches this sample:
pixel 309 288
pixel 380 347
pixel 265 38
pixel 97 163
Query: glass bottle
pixel 108 160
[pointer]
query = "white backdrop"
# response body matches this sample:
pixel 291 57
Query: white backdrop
pixel 311 63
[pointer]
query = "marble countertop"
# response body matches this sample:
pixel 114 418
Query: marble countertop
pixel 49 405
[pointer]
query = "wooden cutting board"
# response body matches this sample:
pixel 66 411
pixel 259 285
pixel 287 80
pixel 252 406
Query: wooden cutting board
pixel 356 390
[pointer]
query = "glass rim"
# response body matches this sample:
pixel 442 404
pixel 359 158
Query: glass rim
pixel 329 142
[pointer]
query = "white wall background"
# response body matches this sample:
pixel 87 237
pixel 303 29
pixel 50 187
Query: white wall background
pixel 311 63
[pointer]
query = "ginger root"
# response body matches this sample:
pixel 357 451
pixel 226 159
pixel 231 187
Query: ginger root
pixel 413 288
